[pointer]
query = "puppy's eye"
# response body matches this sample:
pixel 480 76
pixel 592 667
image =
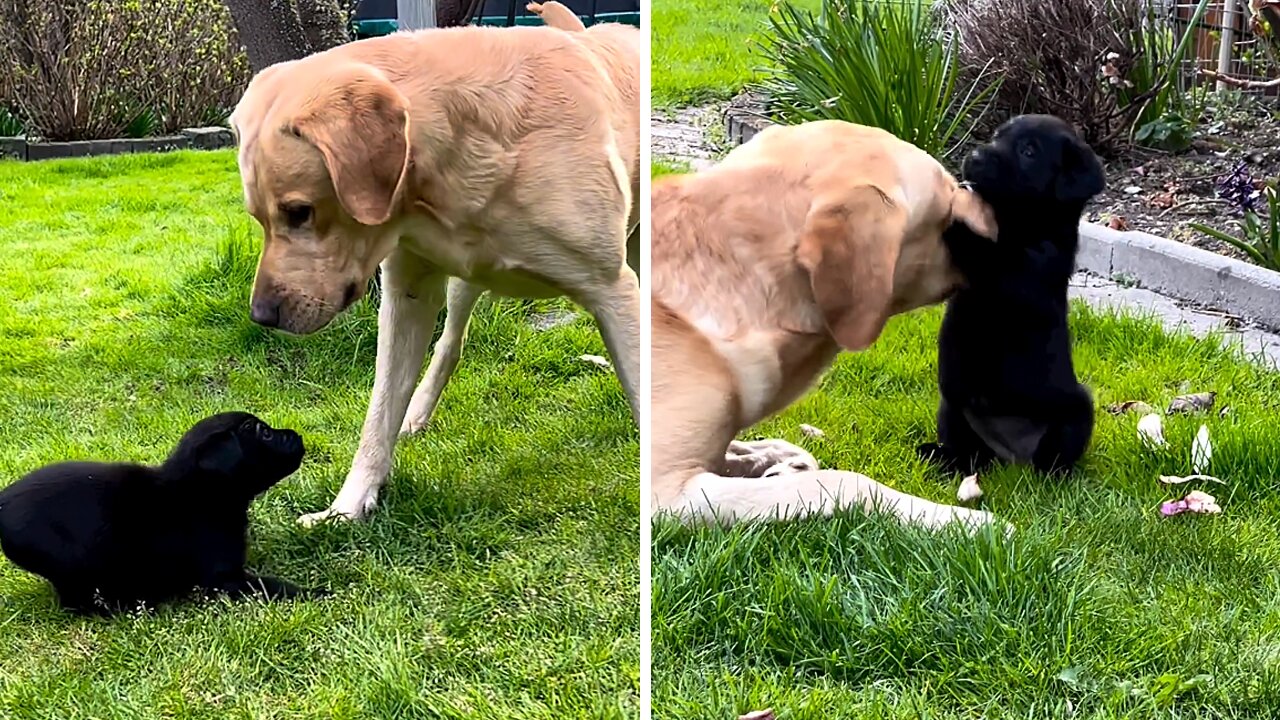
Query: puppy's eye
pixel 296 215
pixel 1027 150
pixel 266 433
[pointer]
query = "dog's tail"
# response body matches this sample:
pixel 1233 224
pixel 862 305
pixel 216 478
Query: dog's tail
pixel 556 15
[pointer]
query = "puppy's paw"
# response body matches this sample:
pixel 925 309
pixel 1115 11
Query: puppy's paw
pixel 931 452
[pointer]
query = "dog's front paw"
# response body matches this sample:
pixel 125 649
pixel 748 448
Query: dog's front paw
pixel 415 421
pixel 343 509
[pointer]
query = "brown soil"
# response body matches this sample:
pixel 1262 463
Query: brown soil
pixel 1160 193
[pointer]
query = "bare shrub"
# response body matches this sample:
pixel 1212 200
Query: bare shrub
pixel 1099 64
pixel 88 69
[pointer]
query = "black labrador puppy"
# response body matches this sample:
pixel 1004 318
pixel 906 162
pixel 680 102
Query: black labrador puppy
pixel 1008 385
pixel 111 537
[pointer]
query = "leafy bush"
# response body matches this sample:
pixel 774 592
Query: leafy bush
pixel 1259 234
pixel 89 69
pixel 874 62
pixel 1109 67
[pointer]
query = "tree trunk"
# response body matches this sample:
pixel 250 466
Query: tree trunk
pixel 324 22
pixel 274 31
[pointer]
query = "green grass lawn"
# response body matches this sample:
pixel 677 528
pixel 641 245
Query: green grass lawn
pixel 498 579
pixel 702 49
pixel 1097 608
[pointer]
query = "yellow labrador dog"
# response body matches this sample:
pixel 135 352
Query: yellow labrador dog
pixel 506 158
pixel 800 243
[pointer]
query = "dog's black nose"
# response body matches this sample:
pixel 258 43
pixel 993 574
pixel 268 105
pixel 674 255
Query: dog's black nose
pixel 265 312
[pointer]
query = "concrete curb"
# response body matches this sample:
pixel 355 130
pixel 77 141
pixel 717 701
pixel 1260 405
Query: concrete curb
pixel 203 138
pixel 1183 272
pixel 1170 268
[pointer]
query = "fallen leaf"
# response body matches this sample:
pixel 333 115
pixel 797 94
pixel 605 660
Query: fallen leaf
pixel 1132 190
pixel 1201 451
pixel 1140 171
pixel 758 715
pixel 1118 222
pixel 1192 402
pixel 1135 406
pixel 596 360
pixel 969 489
pixel 1176 480
pixel 811 431
pixel 1195 502
pixel 1162 200
pixel 1151 430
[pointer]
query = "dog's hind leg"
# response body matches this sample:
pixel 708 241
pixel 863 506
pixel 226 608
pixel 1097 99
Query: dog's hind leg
pixel 1068 438
pixel 461 300
pixel 959 449
pixel 412 293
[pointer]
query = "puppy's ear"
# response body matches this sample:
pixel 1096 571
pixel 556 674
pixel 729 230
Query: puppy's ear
pixel 1080 175
pixel 850 250
pixel 360 123
pixel 219 454
pixel 973 212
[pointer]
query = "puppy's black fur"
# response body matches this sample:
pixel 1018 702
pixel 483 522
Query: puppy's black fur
pixel 1008 385
pixel 110 537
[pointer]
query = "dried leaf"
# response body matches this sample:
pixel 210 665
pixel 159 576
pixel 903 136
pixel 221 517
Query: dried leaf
pixel 1162 200
pixel 1118 222
pixel 596 360
pixel 1192 402
pixel 969 489
pixel 1132 190
pixel 1176 480
pixel 1201 451
pixel 1135 406
pixel 758 715
pixel 811 431
pixel 1151 430
pixel 1195 502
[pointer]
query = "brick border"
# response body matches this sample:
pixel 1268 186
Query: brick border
pixel 202 138
pixel 1170 268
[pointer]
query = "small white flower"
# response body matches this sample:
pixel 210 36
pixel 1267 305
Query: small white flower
pixel 1151 430
pixel 1201 451
pixel 969 489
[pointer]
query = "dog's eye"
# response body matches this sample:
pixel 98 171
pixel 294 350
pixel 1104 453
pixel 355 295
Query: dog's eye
pixel 296 215
pixel 1027 150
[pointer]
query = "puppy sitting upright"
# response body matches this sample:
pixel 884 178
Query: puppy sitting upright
pixel 1008 385
pixel 112 536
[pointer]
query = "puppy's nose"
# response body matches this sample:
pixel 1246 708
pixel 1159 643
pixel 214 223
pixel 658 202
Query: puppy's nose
pixel 265 311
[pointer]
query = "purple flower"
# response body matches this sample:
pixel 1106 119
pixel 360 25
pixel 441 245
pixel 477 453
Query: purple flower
pixel 1237 188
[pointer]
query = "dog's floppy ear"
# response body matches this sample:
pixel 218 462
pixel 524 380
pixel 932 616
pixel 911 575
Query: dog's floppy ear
pixel 220 453
pixel 972 211
pixel 360 123
pixel 850 250
pixel 1080 173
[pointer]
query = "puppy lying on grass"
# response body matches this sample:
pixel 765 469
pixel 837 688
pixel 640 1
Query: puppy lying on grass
pixel 110 537
pixel 1008 385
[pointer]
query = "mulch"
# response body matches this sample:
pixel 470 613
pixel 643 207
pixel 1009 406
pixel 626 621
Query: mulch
pixel 1161 193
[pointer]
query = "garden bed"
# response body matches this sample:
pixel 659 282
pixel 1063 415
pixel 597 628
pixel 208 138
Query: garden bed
pixel 1161 193
pixel 203 138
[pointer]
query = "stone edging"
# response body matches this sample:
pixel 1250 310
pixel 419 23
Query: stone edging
pixel 202 138
pixel 1170 268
